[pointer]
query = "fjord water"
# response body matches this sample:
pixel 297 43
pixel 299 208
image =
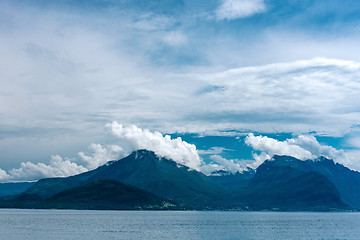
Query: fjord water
pixel 71 224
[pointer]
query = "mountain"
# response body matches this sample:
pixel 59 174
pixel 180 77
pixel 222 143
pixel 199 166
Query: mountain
pixel 281 184
pixel 101 194
pixel 145 170
pixel 13 188
pixel 108 194
pixel 346 181
pixel 288 183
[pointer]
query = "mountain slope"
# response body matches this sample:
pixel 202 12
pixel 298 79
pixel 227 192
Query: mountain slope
pixel 101 195
pixel 345 180
pixel 145 170
pixel 108 194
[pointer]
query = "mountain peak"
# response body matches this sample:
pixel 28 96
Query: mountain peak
pixel 325 160
pixel 290 158
pixel 143 153
pixel 284 158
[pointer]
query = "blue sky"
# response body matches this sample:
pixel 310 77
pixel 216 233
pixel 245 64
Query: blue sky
pixel 217 69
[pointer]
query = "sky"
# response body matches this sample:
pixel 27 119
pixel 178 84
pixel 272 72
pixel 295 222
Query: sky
pixel 84 82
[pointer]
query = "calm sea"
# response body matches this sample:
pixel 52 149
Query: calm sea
pixel 72 224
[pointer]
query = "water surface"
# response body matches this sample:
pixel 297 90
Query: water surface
pixel 16 224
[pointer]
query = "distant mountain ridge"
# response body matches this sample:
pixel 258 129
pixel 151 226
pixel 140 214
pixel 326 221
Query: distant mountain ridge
pixel 282 183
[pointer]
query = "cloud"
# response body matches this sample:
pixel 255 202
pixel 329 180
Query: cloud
pixel 353 142
pixel 175 38
pixel 303 147
pixel 209 169
pixel 4 177
pixel 274 147
pixel 214 150
pixel 51 78
pixel 302 96
pixel 102 155
pixel 233 9
pixel 351 159
pixel 174 149
pixel 232 166
pixel 58 167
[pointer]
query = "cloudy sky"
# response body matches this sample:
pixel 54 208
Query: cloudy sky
pixel 237 80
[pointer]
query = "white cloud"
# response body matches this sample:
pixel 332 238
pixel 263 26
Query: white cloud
pixel 259 159
pixel 151 22
pixel 232 9
pixel 209 169
pixel 175 149
pixel 351 159
pixel 302 96
pixel 274 147
pixel 4 177
pixel 175 38
pixel 214 150
pixel 58 167
pixel 232 166
pixel 309 143
pixel 102 155
pixel 303 147
pixel 353 142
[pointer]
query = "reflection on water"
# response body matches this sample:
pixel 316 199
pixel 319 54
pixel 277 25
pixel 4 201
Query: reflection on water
pixel 72 224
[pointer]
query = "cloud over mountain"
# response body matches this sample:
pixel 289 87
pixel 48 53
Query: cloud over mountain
pixel 128 139
pixel 175 149
pixel 303 147
pixel 101 155
pixel 58 167
pixel 275 147
pixel 131 138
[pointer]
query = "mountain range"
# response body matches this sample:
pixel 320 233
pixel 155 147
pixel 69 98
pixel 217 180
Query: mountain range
pixel 144 180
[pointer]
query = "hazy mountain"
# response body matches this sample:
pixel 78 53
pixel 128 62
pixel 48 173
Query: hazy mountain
pixel 13 188
pixel 145 170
